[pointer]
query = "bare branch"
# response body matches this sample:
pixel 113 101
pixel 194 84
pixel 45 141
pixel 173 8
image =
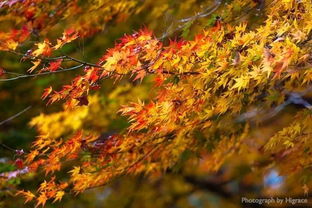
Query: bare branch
pixel 15 116
pixel 206 12
pixel 293 98
pixel 41 74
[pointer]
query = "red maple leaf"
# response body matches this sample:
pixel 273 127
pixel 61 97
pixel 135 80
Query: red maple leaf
pixel 54 65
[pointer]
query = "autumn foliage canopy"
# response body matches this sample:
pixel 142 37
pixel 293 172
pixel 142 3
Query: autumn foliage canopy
pixel 216 97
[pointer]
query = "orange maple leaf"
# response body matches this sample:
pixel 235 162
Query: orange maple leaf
pixel 27 194
pixel 46 93
pixel 42 199
pixel 68 36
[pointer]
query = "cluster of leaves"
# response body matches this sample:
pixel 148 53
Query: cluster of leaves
pixel 207 89
pixel 39 16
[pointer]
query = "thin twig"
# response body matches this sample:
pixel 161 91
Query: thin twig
pixel 14 116
pixel 82 62
pixel 7 147
pixel 204 13
pixel 34 57
pixel 184 21
pixel 41 74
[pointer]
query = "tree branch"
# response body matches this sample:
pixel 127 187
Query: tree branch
pixel 209 10
pixel 41 74
pixel 82 63
pixel 209 186
pixel 15 116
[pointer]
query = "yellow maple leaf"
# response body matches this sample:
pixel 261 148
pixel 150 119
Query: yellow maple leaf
pixel 11 44
pixel 36 64
pixel 43 185
pixel 31 156
pixel 241 83
pixel 75 171
pixel 27 194
pixel 43 48
pixel 58 196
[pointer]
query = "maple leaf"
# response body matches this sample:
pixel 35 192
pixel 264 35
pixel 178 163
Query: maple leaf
pixel 217 26
pixel 54 65
pixel 283 64
pixel 92 75
pixel 74 172
pixel 31 156
pixel 63 185
pixel 54 97
pixel 36 64
pixel 42 141
pixel 241 83
pixel 19 163
pixel 54 165
pixel 41 200
pixel 43 185
pixel 11 44
pixel 68 36
pixel 43 49
pixel 46 93
pixel 140 75
pixel 27 194
pixel 58 196
pixel 159 80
